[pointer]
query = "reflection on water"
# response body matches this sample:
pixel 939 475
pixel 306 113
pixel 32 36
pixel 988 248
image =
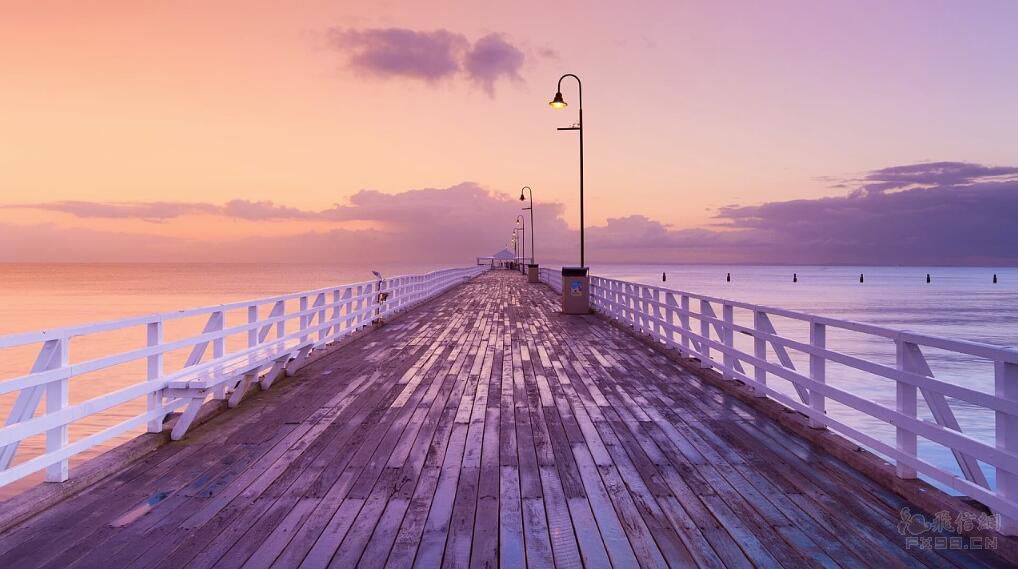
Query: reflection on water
pixel 958 303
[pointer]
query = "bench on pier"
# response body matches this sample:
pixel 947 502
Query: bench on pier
pixel 233 376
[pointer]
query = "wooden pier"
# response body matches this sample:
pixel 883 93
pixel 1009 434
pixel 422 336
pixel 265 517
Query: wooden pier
pixel 484 429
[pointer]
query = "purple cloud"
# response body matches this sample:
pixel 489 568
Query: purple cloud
pixel 957 214
pixel 266 210
pixel 429 56
pixel 159 212
pixel 937 213
pixel 148 211
pixel 492 58
pixel 396 52
pixel 931 174
pixel 453 224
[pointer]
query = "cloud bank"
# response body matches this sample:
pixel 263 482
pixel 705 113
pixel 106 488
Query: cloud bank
pixel 428 56
pixel 931 213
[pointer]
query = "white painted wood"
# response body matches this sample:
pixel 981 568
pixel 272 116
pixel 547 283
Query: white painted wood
pixel 203 374
pixel 57 399
pixel 915 362
pixel 950 480
pixel 818 373
pixel 1005 384
pixel 906 403
pixel 760 351
pixel 304 318
pixel 49 358
pixel 642 308
pixel 154 371
pixel 40 462
pixel 186 418
pixel 704 351
pixel 277 370
pixel 782 354
pixel 218 349
pixel 238 394
pixel 728 338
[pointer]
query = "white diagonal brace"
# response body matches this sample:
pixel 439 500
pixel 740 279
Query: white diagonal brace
pixel 765 326
pixel 50 356
pixel 915 362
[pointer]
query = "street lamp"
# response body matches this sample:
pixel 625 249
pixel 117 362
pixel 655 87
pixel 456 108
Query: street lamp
pixel 531 208
pixel 575 280
pixel 523 244
pixel 516 249
pixel 559 103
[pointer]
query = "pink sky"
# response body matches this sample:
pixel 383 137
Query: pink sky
pixel 690 107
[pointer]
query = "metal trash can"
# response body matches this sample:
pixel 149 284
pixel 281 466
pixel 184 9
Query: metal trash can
pixel 575 290
pixel 533 273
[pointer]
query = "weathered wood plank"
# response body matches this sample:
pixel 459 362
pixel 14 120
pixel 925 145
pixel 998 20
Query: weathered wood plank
pixel 483 429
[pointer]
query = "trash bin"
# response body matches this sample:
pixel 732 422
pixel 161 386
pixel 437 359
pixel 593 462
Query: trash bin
pixel 533 273
pixel 575 290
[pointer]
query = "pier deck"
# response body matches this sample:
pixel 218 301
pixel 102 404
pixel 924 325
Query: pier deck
pixel 483 429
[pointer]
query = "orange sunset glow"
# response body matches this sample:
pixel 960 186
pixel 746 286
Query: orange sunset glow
pixel 691 108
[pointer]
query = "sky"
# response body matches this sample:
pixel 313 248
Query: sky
pixel 732 131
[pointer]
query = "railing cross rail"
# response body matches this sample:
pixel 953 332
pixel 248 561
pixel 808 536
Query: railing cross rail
pixel 653 310
pixel 204 372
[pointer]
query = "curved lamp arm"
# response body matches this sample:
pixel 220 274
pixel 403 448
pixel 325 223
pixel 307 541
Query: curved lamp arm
pixel 579 86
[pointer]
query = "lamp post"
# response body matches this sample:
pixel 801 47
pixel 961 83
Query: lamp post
pixel 516 249
pixel 523 243
pixel 575 280
pixel 531 208
pixel 559 103
pixel 533 271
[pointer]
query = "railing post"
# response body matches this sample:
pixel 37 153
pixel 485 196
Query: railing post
pixel 333 327
pixel 57 398
pixel 281 325
pixel 705 335
pixel 760 352
pixel 219 350
pixel 28 399
pixel 645 310
pixel 818 372
pixel 252 334
pixel 728 315
pixel 154 372
pixel 656 302
pixel 684 322
pixel 1005 381
pixel 670 320
pixel 617 309
pixel 323 331
pixel 906 403
pixel 632 304
pixel 303 318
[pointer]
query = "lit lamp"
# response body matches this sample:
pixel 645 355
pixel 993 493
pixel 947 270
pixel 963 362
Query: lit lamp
pixel 575 280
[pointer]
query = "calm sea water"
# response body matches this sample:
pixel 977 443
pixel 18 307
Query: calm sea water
pixel 961 303
pixel 958 303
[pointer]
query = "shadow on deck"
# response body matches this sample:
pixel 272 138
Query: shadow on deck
pixel 483 428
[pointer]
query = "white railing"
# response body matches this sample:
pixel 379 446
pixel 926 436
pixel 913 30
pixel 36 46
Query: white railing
pixel 551 277
pixel 691 323
pixel 246 338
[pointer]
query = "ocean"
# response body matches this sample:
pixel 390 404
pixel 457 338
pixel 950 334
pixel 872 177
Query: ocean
pixel 957 303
